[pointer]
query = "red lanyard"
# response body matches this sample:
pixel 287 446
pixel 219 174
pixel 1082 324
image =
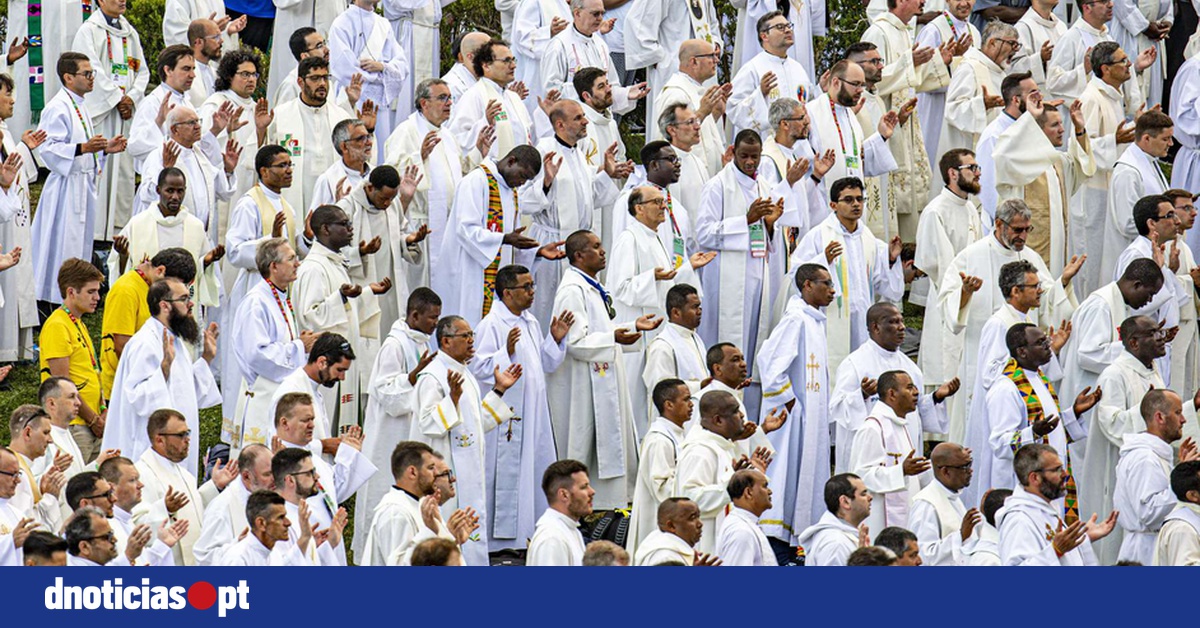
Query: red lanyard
pixel 275 293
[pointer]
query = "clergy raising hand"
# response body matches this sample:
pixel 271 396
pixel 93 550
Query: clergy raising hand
pixel 10 169
pixel 887 124
pixel 700 259
pixel 561 324
pixel 832 250
pixel 970 285
pixel 1096 531
pixel 518 240
pixel 350 291
pixel 211 335
pixel 946 390
pixel 170 154
pixel 906 110
pixel 174 500
pixel 381 286
pixel 168 347
pixel 1088 398
pixel 463 523
pixel 1060 336
pixel 514 336
pixel 615 169
pixel 774 420
pixel 706 560
pixel 232 155
pixel 506 378
pixel 869 386
pixel 455 380
pixel 278 224
pixel 263 116
pixel 370 248
pixel 759 209
pixel 1072 268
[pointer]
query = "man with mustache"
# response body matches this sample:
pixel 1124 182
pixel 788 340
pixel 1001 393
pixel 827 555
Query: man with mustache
pixel 329 361
pixel 973 98
pixel 942 523
pixel 1031 531
pixel 156 371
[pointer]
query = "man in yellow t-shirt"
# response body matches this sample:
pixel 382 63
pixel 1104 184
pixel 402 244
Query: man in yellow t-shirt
pixel 125 307
pixel 66 350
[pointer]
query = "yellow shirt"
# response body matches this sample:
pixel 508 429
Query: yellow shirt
pixel 62 338
pixel 125 310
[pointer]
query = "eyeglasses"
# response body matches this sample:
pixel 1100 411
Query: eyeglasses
pixel 671 159
pixel 187 298
pixel 320 46
pixel 960 467
pixel 851 199
pixel 448 474
pixel 972 167
pixel 1108 2
pixel 793 119
pixel 692 122
pixel 191 123
pixel 317 78
pixel 213 37
pixel 657 202
pixel 1124 61
pixel 345 224
pixel 710 55
pixel 507 60
pixel 362 139
pixel 110 537
pixel 824 282
pixel 88 74
pixel 469 334
pixel 876 61
pixel 108 495
pixel 857 84
pixel 1016 45
pixel 13 474
pixel 1020 230
pixel 1157 334
pixel 442 98
pixel 784 27
pixel 1058 469
pixel 1168 216
pixel 311 472
pixel 183 434
pixel 529 287
pixel 248 75
pixel 1030 286
pixel 285 166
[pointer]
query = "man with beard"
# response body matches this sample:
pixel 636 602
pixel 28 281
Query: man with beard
pixel 167 225
pixel 176 70
pixel 973 98
pixel 489 103
pixel 970 293
pixel 557 542
pixel 950 24
pixel 1030 167
pixel 328 301
pixel 1125 383
pixel 596 96
pixel 330 358
pixel 296 481
pixel 949 224
pixel 397 522
pixel 679 530
pixel 1014 89
pixel 157 371
pixel 91 490
pixel 942 523
pixel 204 37
pixel 91 541
pixel 855 388
pixel 837 127
pixel 267 539
pixel 363 50
pixel 680 126
pixel 224 517
pixel 455 416
pixel 583 47
pixel 355 146
pixel 236 79
pixel 303 126
pixel 1143 493
pixel 1032 532
pixel 327 484
pixel 698 60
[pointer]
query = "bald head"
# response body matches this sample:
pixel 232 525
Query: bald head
pixel 946 454
pixel 472 41
pixel 880 311
pixel 692 48
pixel 672 509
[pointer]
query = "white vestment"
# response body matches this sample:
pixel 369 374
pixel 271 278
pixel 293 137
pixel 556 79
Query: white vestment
pixel 1033 31
pixel 1143 494
pixel 966 113
pixel 741 543
pixel 984 154
pixel 936 518
pixel 1027 523
pixel 556 542
pixel 748 106
pixel 702 475
pixel 664 548
pixel 877 454
pixel 514 124
pixel 416 25
pixel 19 318
pixel 157 473
pixel 931 105
pixel 395 529
pixel 305 132
pixel 1130 19
pixel 530 38
pixel 828 542
pixel 856 154
pixel 1135 175
pixel 570 51
pixel 1179 540
pixel 359 35
pixel 224 520
pixel 653 32
pixel 1185 112
pixel 683 89
pixel 208 185
pixel 290 15
pixel 657 462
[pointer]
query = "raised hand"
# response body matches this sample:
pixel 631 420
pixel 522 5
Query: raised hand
pixel 921 54
pixel 222 117
pixel 1059 337
pixel 163 108
pixel 1086 400
pixel 797 169
pixel 277 225
pixel 561 324
pixel 33 139
pixel 493 109
pixel 62 460
pixel 354 89
pixel 483 142
pixel 914 464
pixel 455 380
pixel 426 358
pixel 507 378
pixel 1076 111
pixel 1145 59
pixel 223 474
pixel 552 251
pixel 887 124
pixel 21 532
pixel 648 322
pixel 832 250
pixel 17 49
pixel 211 334
pixel 1096 531
pixel 663 274
pixel 547 103
pixel 550 165
pixel 10 170
pixel 1042 427
pixel 824 163
pixel 263 114
pixel 1188 450
pixel 558 25
pixel 409 182
pixel 370 248
pixel 353 437
pixel 1072 268
pixel 869 387
pixel 349 290
pixel 420 234
pixel 170 154
pixel 232 155
pixel 137 541
pixel 906 110
pixel 236 122
pixel 946 390
pixel 428 144
pixel 463 523
pixel 369 114
pixel 168 348
pixel 306 530
pixel 518 88
pixel 864 535
pixel 52 482
pixel 381 286
pixel 518 240
pixel 969 521
pixel 774 420
pixel 431 514
pixel 991 101
pixel 171 533
pixel 700 259
pixel 607 25
pixel 767 83
pixel 1047 50
pixel 514 336
pixel 706 560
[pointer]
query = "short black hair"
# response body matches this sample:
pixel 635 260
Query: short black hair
pixel 836 488
pixel 677 296
pixel 844 183
pixel 739 482
pixel 1010 87
pixel 1185 477
pixel 68 63
pixel 308 64
pixel 750 137
pixel 384 177
pixel 896 539
pixel 716 354
pixel 651 151
pixel 585 80
pixel 808 272
pixel 408 453
pixel 170 58
pixel 485 55
pixel 888 381
pixel 506 278
pixel 170 171
pixel 43 545
pixel 266 155
pixel 296 42
pixel 286 462
pixel 323 216
pixel 993 502
pixel 664 391
pixel 421 299
pixel 558 475
pixel 80 486
pixel 1016 337
pixel 179 263
pixel 1012 276
pixel 333 347
pixel 1146 209
pixel 575 243
pixel 260 502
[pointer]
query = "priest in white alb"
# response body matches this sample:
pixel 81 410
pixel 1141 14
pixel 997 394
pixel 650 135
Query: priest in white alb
pixel 973 98
pixel 535 23
pixel 489 103
pixel 1185 98
pixel 680 125
pixel 692 86
pixel 949 24
pixel 580 46
pixel 19 319
pixel 1013 89
pixel 1038 30
pixel 769 75
pixel 417 27
pixel 944 526
pixel 1142 24
pixel 361 42
pixel 658 34
pixel 1137 174
pixel 355 147
pixel 236 80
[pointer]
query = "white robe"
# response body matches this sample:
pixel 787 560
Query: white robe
pixel 224 520
pixel 416 26
pixel 1094 342
pixel 208 185
pixel 337 481
pixel 458 433
pixel 570 51
pixel 683 89
pixel 290 15
pixel 121 69
pixel 807 18
pixel 983 259
pixel 1143 494
pixel 298 381
pixel 530 38
pixel 966 113
pixel 664 548
pixel 748 107
pixel 1130 19
pixel 1185 112
pixel 862 275
pixel 856 154
pixel 1026 522
pixel 936 518
pixel 741 543
pixel 250 552
pixel 675 352
pixel 19 317
pixel 391 406
pixel 848 409
pixel 394 529
pixel 139 389
pixel 10 554
pixel 66 211
pixel 931 105
pixel 657 462
pixel 577 200
pixel 1135 175
pixel 60 20
pixel 518 456
pixel 794 367
pixel 157 473
pixel 514 124
pixel 1179 540
pixel 828 542
pixel 306 131
pixel 1167 302
pixel 336 183
pixel 459 78
pixel 145 135
pixel 1125 382
pixel 590 406
pixel 441 174
pixel 556 542
pixel 984 152
pixel 693 174
pixel 178 15
pixel 150 232
pixel 702 475
pixel 877 453
pixel 949 224
pixel 1032 31
pixel 360 35
pixel 246 137
pixel 654 30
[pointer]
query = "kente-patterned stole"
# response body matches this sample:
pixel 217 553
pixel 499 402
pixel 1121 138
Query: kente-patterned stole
pixel 495 224
pixel 1033 413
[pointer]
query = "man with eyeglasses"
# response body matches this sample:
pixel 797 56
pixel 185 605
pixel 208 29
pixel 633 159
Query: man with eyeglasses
pixel 204 38
pixel 76 152
pixel 355 148
pixel 1142 25
pixel 224 517
pixel 1032 531
pixel 315 15
pixel 805 20
pixel 1030 166
pixel 303 43
pixel 38 494
pixel 767 76
pixel 456 417
pixel 1106 115
pixel 122 75
pixel 177 70
pixel 1071 69
pixel 510 334
pixel 1136 175
pixel 1125 382
pixel 170 492
pixel 298 482
pixel 212 177
pixel 581 46
pixel 680 125
pixel 944 526
pixel 970 292
pixel 90 490
pixel 92 542
pixel 328 365
pixel 15 524
pixel 157 371
pixel 363 51
pixel 1157 227
pixel 1185 102
pixel 673 40
pixel 1185 361
pixel 949 223
pixel 167 224
pixel 973 98
pixel 1022 407
pixel 303 126
pixel 495 102
pixel 424 142
pixel 692 86
pixel 237 74
pixel 179 15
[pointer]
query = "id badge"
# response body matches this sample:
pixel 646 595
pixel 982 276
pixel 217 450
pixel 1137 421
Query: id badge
pixel 758 240
pixel 853 162
pixel 679 252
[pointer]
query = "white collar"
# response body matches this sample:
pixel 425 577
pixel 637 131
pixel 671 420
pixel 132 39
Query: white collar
pixel 884 411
